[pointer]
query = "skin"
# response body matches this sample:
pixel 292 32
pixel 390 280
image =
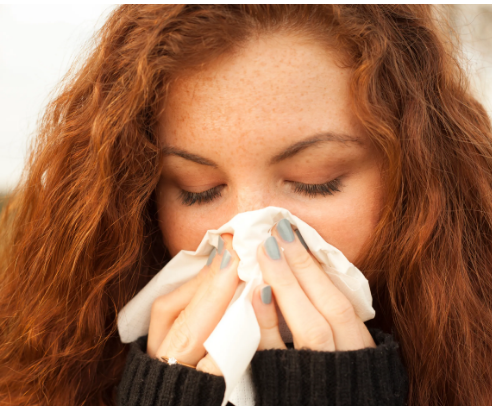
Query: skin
pixel 234 117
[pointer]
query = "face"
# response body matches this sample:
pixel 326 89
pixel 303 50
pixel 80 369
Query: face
pixel 270 125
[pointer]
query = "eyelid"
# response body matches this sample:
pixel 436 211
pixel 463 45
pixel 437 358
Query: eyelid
pixel 190 198
pixel 309 189
pixel 204 187
pixel 318 189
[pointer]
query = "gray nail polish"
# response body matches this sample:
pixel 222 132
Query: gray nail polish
pixel 211 256
pixel 271 248
pixel 225 259
pixel 301 239
pixel 220 248
pixel 285 230
pixel 266 294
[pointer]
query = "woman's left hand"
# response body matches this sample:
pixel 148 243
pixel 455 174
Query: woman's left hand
pixel 319 316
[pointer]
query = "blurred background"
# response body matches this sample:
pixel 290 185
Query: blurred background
pixel 39 43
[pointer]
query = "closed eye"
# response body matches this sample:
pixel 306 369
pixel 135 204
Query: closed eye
pixel 317 189
pixel 308 189
pixel 190 198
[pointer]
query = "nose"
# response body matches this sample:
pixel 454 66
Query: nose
pixel 250 198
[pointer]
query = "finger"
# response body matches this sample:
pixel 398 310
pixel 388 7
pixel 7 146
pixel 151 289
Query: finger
pixel 347 327
pixel 309 328
pixel 197 321
pixel 225 243
pixel 166 309
pixel 366 336
pixel 266 314
pixel 208 365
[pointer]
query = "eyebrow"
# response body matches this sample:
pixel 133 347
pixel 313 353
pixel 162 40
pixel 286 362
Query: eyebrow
pixel 286 153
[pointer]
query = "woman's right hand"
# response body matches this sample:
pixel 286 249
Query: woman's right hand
pixel 182 320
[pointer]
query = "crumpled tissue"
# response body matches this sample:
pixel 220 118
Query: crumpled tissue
pixel 235 340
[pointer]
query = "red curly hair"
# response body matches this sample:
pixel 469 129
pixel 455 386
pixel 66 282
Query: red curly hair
pixel 79 235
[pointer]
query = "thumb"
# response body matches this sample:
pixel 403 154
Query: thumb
pixel 266 314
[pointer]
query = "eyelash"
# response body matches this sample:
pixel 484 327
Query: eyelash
pixel 310 190
pixel 189 198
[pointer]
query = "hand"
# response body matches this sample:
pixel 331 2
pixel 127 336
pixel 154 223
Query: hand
pixel 319 316
pixel 182 320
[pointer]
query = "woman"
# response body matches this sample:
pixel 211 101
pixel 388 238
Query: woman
pixel 355 118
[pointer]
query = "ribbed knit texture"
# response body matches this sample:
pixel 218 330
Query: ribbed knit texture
pixel 147 381
pixel 369 377
pixel 372 376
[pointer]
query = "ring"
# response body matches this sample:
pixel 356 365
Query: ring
pixel 174 361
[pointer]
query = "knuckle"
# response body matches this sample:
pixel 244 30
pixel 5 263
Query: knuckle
pixel 284 282
pixel 270 330
pixel 343 312
pixel 212 273
pixel 202 275
pixel 180 342
pixel 213 292
pixel 318 337
pixel 181 336
pixel 302 262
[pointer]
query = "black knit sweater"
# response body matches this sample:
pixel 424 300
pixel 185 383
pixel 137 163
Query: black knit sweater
pixel 371 376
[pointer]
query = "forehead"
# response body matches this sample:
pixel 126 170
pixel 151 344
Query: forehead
pixel 275 86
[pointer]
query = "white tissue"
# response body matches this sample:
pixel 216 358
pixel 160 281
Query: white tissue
pixel 235 339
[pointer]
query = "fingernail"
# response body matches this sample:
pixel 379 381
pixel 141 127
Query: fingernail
pixel 225 259
pixel 211 256
pixel 221 245
pixel 285 230
pixel 301 239
pixel 266 294
pixel 271 248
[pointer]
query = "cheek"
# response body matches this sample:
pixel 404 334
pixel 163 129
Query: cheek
pixel 346 226
pixel 348 221
pixel 350 227
pixel 181 228
pixel 174 231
